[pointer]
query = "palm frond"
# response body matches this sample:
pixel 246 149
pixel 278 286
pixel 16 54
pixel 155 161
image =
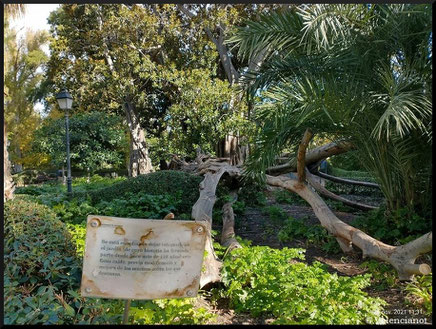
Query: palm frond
pixel 278 30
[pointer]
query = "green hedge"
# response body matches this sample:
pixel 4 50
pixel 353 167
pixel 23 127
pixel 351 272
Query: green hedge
pixel 182 185
pixel 41 270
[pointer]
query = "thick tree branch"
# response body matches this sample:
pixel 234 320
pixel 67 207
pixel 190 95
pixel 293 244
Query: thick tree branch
pixel 402 258
pixel 345 181
pixel 301 155
pixel 312 156
pixel 323 191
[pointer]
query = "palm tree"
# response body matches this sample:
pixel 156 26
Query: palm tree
pixel 11 11
pixel 356 72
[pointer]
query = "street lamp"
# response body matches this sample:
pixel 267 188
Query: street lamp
pixel 65 103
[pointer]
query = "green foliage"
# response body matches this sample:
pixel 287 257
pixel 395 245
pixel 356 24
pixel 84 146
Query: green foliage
pixel 97 141
pixel 347 161
pixel 284 196
pixel 421 289
pixel 270 282
pixel 180 186
pixel 78 235
pixel 276 214
pixel 394 228
pixel 42 276
pixel 313 234
pixel 23 72
pixel 135 205
pixel 336 70
pixel 38 245
pixel 42 273
pixel 27 177
pixel 169 311
pixel 351 174
pixel 383 275
pixel 95 182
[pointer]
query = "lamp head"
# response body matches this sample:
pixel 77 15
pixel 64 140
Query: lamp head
pixel 65 100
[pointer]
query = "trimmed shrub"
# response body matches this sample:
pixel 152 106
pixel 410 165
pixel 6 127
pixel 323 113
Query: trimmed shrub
pixel 42 272
pixel 175 183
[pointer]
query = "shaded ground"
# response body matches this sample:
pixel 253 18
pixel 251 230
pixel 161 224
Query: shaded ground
pixel 256 226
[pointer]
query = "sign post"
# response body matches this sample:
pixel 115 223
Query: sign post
pixel 129 258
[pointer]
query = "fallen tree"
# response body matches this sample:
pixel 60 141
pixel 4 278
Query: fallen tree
pixel 402 258
pixel 312 157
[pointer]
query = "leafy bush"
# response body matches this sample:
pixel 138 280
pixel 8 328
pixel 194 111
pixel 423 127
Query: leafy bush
pixel 284 196
pixel 340 188
pixel 178 184
pixel 316 234
pixel 276 214
pixel 252 193
pixel 95 182
pixel 46 188
pixel 396 228
pixel 37 245
pixel 271 282
pixel 138 205
pixel 42 273
pixel 78 235
pixel 383 274
pixel 169 311
pixel 421 289
pixel 351 174
pixel 29 176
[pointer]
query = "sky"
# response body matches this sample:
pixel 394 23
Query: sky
pixel 34 19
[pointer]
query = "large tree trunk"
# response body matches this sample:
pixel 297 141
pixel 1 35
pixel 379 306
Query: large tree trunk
pixel 202 210
pixel 230 147
pixel 140 162
pixel 8 183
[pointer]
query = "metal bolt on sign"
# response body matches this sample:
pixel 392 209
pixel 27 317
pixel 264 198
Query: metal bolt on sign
pixel 199 229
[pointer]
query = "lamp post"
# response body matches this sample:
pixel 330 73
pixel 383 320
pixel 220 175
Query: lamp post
pixel 65 103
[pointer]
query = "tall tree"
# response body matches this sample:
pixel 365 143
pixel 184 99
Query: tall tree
pixel 216 21
pixel 102 53
pixel 147 71
pixel 10 11
pixel 26 60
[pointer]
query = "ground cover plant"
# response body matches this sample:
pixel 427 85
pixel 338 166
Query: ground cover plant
pixel 261 280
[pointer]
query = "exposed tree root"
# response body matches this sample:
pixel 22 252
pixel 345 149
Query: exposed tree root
pixel 345 181
pixel 323 191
